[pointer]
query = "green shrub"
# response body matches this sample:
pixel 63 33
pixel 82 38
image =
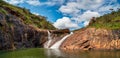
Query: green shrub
pixel 108 21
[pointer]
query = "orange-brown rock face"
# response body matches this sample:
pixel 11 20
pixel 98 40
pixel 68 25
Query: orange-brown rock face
pixel 91 38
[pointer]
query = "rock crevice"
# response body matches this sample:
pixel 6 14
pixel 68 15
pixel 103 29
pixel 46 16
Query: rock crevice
pixel 92 38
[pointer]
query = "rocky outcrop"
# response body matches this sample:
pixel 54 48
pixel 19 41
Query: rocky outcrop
pixel 93 39
pixel 14 34
pixel 21 29
pixel 61 31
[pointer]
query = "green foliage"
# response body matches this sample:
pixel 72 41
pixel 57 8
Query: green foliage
pixel 25 15
pixel 0 27
pixel 3 11
pixel 108 21
pixel 10 24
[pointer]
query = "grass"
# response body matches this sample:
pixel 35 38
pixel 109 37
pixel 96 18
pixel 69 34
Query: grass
pixel 108 21
pixel 25 15
pixel 3 11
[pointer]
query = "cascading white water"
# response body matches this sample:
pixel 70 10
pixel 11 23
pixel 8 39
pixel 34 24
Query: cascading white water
pixel 49 40
pixel 57 44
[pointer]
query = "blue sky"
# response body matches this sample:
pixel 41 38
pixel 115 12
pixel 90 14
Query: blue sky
pixel 72 14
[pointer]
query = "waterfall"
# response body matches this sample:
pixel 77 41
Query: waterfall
pixel 57 44
pixel 49 40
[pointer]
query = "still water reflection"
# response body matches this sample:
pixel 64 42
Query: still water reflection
pixel 50 53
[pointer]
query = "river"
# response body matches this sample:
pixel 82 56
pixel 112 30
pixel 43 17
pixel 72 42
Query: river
pixel 51 53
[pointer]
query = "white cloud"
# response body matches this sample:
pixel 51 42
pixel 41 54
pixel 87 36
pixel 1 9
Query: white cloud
pixel 64 23
pixel 74 7
pixel 77 10
pixel 83 10
pixel 14 1
pixel 89 4
pixel 86 23
pixel 86 16
pixel 53 2
pixel 36 13
pixel 70 8
pixel 67 22
pixel 107 7
pixel 33 2
pixel 37 2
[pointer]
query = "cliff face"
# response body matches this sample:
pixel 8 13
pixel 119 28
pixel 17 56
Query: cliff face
pixel 92 38
pixel 25 16
pixel 101 33
pixel 14 34
pixel 21 29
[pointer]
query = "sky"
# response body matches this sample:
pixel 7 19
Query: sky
pixel 72 14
